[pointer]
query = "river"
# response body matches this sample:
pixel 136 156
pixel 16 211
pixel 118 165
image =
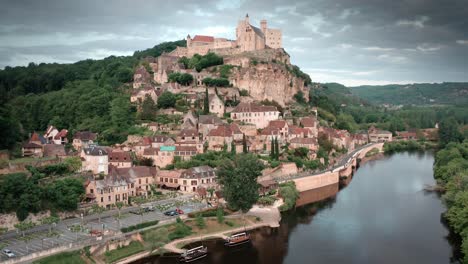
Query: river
pixel 382 216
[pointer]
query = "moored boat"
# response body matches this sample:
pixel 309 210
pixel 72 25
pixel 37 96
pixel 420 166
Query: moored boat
pixel 194 254
pixel 237 239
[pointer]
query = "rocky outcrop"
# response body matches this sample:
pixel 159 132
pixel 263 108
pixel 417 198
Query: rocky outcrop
pixel 270 81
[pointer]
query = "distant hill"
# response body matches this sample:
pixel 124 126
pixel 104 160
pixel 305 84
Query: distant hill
pixel 337 93
pixel 414 94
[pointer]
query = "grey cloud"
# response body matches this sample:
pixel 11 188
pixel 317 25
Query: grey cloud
pixel 357 41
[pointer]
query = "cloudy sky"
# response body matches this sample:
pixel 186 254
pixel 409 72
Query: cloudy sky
pixel 353 42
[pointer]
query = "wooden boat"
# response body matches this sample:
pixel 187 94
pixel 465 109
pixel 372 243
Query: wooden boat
pixel 193 254
pixel 237 239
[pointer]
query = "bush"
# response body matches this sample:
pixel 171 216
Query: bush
pixel 266 200
pixel 166 100
pixel 3 163
pixel 290 194
pixel 181 230
pixel 207 213
pixel 243 92
pixel 200 221
pixel 139 226
pixel 229 223
pixel 220 215
pixel 225 70
pixel 180 78
pixel 218 82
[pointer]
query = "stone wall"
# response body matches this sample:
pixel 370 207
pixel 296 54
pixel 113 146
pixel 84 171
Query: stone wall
pixel 317 181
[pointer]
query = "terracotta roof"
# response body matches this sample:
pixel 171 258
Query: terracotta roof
pixel 308 122
pixel 201 38
pixel 150 151
pixel 307 141
pixel 85 135
pixel 175 174
pixel 199 172
pixel 221 131
pixel 35 137
pixel 298 130
pixel 278 124
pixel 119 156
pixel 185 148
pixel 62 134
pixel 252 107
pixel 209 119
pixel 188 132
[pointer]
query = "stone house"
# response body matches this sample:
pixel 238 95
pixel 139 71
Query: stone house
pixel 120 184
pixel 223 135
pixel 187 135
pixel 138 96
pixel 376 135
pixel 298 132
pixel 161 156
pixel 120 159
pixel 162 140
pixel 140 147
pixel 95 159
pixel 53 136
pixel 252 113
pixel 198 177
pixel 310 123
pixel 207 123
pixel 141 77
pixel 33 148
pixel 216 105
pixel 185 152
pixel 83 139
pixel 169 179
pixel 309 143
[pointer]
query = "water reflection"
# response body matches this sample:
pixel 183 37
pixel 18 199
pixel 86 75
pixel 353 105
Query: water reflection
pixel 382 216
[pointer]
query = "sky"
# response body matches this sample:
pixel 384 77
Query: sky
pixel 353 42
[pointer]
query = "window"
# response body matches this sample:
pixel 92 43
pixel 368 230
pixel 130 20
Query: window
pixel 102 199
pixel 109 198
pixel 91 191
pixel 139 181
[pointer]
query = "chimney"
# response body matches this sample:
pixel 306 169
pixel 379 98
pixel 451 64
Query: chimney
pixel 263 25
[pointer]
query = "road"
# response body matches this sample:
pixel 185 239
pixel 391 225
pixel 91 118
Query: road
pixel 40 240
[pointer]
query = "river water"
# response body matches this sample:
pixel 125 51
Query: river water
pixel 382 216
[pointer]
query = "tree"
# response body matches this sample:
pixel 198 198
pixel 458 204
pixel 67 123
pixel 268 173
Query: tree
pixel 211 191
pixel 244 144
pixel 299 97
pixel 239 181
pixel 277 151
pixel 119 206
pixel 148 108
pixel 206 103
pixel 139 200
pixel 272 149
pixel 166 100
pixel 98 210
pixel 448 131
pixel 50 220
pixel 233 148
pixel 23 226
pixel 121 113
pixel 200 221
pixel 73 163
pixel 65 194
pixel 220 215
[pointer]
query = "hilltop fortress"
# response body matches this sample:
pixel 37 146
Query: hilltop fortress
pixel 248 38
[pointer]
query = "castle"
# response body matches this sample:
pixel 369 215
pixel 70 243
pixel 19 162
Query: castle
pixel 248 38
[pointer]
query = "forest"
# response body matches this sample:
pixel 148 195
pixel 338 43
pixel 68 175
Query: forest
pixel 86 95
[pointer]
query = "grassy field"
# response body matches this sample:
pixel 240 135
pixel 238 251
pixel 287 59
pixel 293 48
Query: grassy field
pixel 29 160
pixel 73 257
pixel 133 248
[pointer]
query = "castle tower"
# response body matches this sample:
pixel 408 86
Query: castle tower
pixel 189 40
pixel 263 25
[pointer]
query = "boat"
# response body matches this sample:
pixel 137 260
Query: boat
pixel 193 254
pixel 237 239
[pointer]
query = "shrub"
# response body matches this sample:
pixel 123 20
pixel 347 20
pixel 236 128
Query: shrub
pixel 266 200
pixel 243 92
pixel 200 221
pixel 229 223
pixel 207 213
pixel 290 194
pixel 180 78
pixel 220 215
pixel 218 82
pixel 139 226
pixel 181 230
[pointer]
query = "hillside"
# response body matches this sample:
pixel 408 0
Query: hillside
pixel 415 94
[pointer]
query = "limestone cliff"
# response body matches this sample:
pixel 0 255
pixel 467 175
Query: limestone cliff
pixel 269 80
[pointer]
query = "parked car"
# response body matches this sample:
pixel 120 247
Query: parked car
pixel 8 253
pixel 149 209
pixel 179 211
pixel 171 213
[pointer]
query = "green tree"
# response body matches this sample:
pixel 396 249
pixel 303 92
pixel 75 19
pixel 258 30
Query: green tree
pixel 65 194
pixel 119 206
pixel 448 131
pixel 200 221
pixel 50 220
pixel 220 215
pixel 121 113
pixel 272 149
pixel 98 210
pixel 233 148
pixel 244 144
pixel 73 163
pixel 239 181
pixel 277 151
pixel 148 109
pixel 23 226
pixel 166 100
pixel 206 103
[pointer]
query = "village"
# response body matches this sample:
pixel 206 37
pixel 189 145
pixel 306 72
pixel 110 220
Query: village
pixel 213 97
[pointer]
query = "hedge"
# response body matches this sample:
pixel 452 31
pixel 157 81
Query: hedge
pixel 138 226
